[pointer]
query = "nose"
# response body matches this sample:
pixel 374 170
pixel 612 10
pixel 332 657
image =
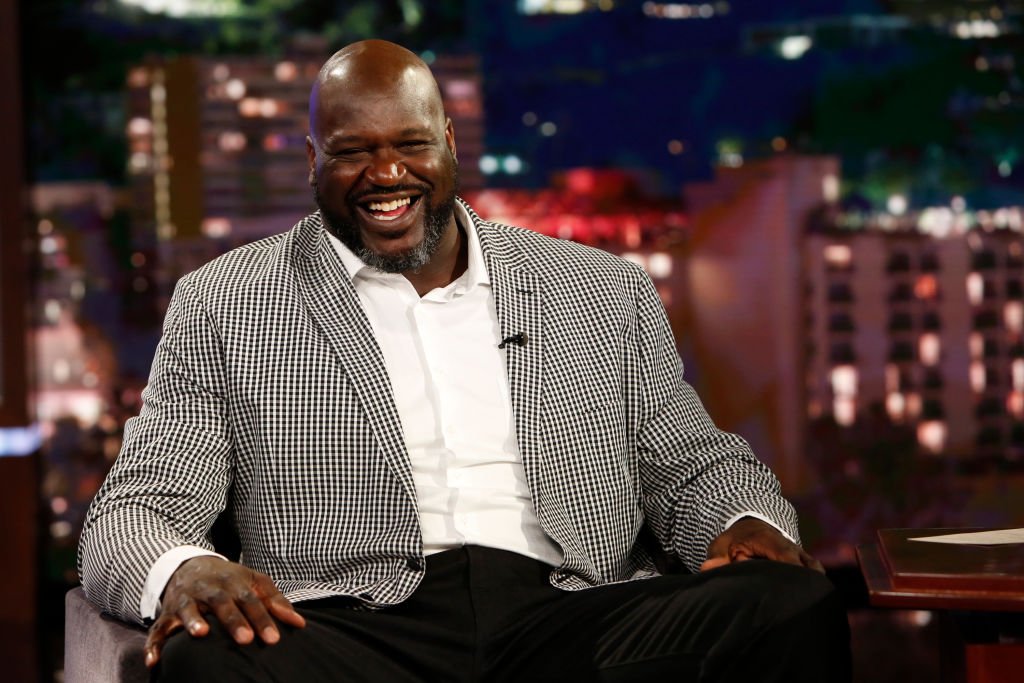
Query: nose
pixel 385 170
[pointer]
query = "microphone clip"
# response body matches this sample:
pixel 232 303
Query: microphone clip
pixel 519 339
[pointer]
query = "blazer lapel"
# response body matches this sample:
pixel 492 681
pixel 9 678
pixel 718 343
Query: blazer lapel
pixel 519 300
pixel 334 306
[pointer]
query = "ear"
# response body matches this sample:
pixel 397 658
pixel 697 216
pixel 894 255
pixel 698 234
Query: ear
pixel 311 156
pixel 449 138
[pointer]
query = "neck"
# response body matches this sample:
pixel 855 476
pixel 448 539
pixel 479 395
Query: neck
pixel 449 262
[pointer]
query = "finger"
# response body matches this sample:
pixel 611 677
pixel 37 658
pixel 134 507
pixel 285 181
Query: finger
pixel 257 615
pixel 282 609
pixel 714 563
pixel 161 629
pixel 191 618
pixel 811 562
pixel 741 552
pixel 231 618
pixel 279 606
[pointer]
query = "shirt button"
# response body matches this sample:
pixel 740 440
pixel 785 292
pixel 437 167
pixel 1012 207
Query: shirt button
pixel 414 563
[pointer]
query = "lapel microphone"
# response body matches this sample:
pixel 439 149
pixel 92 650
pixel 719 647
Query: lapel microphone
pixel 519 339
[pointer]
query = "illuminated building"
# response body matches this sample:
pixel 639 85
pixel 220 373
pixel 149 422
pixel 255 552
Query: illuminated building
pixel 923 314
pixel 217 150
pixel 602 208
pixel 563 6
pixel 743 311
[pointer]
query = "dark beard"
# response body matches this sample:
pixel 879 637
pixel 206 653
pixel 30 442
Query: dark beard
pixel 435 221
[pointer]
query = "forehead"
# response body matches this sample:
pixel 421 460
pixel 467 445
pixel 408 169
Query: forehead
pixel 348 104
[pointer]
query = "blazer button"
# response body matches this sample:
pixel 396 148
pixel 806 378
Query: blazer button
pixel 414 563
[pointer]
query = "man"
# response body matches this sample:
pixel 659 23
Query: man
pixel 439 440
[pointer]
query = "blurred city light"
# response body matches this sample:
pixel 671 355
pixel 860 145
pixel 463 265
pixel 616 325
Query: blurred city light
pixel 897 204
pixel 512 164
pixel 188 8
pixel 488 164
pixel 794 47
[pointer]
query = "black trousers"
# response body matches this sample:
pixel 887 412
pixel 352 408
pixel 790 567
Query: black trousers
pixel 489 615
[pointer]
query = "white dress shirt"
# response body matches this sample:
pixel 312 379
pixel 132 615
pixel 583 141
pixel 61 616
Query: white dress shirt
pixel 450 384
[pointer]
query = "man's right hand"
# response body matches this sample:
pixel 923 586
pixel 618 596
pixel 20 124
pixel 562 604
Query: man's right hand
pixel 244 601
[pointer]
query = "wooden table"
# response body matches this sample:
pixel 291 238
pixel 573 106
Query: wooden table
pixel 976 585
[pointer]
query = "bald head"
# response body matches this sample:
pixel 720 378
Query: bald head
pixel 373 69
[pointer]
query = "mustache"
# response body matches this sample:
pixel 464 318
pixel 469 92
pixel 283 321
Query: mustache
pixel 380 189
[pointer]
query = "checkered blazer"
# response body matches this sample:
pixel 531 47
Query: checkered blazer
pixel 268 396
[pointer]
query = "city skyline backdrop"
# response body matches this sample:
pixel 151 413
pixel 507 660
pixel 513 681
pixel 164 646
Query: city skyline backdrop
pixel 828 196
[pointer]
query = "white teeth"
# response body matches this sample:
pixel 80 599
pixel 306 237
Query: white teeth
pixel 389 206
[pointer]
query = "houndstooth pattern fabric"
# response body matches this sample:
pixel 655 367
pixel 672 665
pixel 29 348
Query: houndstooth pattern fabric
pixel 268 396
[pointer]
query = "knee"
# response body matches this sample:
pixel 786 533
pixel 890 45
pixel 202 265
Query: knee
pixel 197 659
pixel 773 592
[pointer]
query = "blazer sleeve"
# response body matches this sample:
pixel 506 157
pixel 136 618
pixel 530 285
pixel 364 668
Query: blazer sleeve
pixel 171 478
pixel 694 477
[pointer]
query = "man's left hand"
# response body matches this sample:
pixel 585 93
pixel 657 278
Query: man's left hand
pixel 751 538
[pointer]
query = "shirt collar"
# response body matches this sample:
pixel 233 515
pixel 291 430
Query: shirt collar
pixel 476 272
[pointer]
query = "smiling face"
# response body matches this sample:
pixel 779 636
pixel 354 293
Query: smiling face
pixel 382 157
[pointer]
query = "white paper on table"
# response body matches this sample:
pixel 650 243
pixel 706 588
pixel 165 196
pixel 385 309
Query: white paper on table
pixel 996 537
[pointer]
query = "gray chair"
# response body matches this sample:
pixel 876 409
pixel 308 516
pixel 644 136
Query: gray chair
pixel 99 648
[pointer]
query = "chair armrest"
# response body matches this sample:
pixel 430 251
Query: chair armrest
pixel 99 648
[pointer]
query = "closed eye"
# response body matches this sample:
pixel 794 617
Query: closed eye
pixel 350 153
pixel 415 144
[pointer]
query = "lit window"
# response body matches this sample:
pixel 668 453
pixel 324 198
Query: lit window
pixel 929 348
pixel 932 435
pixel 926 287
pixel 1013 316
pixel 140 126
pixel 460 88
pixel 274 142
pixel 913 405
pixel 269 108
pixel 976 344
pixel 844 410
pixel 235 89
pixel 830 187
pixel 139 161
pixel 61 371
pixel 138 77
pixel 231 141
pixel 975 288
pixel 838 255
pixel 1017 374
pixel 895 405
pixel 52 310
pixel 978 376
pixel 285 71
pixel 892 377
pixel 249 107
pixel 216 227
pixel 844 380
pixel 659 265
pixel 1015 404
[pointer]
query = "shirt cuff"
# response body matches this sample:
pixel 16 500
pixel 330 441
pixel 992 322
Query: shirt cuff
pixel 160 573
pixel 761 517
